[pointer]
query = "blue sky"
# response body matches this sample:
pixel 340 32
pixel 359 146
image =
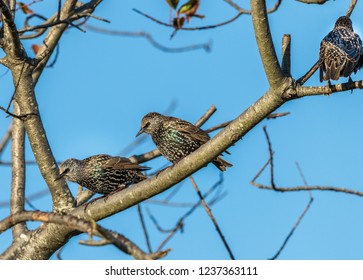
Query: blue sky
pixel 93 100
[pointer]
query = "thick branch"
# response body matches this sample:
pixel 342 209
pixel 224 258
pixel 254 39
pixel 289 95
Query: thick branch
pixel 265 44
pixel 12 42
pixel 25 97
pixel 18 172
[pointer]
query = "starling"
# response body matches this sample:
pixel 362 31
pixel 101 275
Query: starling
pixel 176 138
pixel 341 51
pixel 102 173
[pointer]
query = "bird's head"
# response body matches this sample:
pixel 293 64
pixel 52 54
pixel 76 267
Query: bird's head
pixel 344 22
pixel 69 170
pixel 150 122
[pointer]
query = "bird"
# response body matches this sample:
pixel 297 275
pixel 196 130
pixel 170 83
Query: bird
pixel 190 10
pixel 102 173
pixel 176 138
pixel 341 51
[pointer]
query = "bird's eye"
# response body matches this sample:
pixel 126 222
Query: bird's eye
pixel 147 125
pixel 65 171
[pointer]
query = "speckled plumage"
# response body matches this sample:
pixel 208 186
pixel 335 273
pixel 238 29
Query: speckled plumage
pixel 176 138
pixel 102 173
pixel 341 51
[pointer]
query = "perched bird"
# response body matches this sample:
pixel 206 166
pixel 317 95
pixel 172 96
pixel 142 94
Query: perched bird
pixel 176 138
pixel 190 9
pixel 341 51
pixel 102 173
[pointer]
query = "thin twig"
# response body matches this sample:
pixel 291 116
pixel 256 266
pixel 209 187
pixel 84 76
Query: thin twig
pixel 311 199
pixel 144 228
pixel 219 126
pixel 271 157
pixel 300 188
pixel 248 12
pixel 152 41
pixel 209 212
pixel 351 8
pixel 5 140
pixel 203 119
pixel 180 223
pixel 307 76
pixel 286 55
pixel 189 28
pixel 293 229
pixel 301 173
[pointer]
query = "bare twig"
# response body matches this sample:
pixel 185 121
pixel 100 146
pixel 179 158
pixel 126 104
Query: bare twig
pixel 189 28
pixel 311 199
pixel 13 45
pixel 209 212
pixel 307 76
pixel 5 140
pixel 203 119
pixel 351 8
pixel 152 41
pixel 320 2
pixel 128 247
pixel 40 194
pixel 219 126
pixel 293 229
pixel 144 229
pixel 180 222
pixel 286 55
pixel 324 90
pixel 248 12
pixel 300 188
pixel 50 65
pixel 271 157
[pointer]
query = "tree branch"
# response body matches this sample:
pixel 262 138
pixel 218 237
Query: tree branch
pixel 302 91
pixel 5 140
pixel 209 212
pixel 265 44
pixel 148 37
pixel 17 199
pixel 12 42
pixel 82 225
pixel 286 55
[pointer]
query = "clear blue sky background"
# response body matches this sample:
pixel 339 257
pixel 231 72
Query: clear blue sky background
pixel 93 99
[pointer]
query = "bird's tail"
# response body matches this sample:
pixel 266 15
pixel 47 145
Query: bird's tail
pixel 221 164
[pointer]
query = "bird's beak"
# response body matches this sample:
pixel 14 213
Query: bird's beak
pixel 60 176
pixel 140 132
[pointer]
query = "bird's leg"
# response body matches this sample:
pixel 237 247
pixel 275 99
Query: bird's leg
pixel 330 86
pixel 92 201
pixel 350 81
pixel 163 169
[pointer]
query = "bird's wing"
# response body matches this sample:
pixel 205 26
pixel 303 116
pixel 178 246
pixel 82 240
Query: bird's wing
pixel 333 55
pixel 193 131
pixel 123 163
